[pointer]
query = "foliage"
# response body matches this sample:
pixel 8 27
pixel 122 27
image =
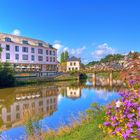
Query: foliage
pixel 64 56
pixel 6 75
pixel 1 49
pixel 62 59
pixel 108 58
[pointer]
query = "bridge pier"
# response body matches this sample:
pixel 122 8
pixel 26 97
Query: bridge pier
pixel 111 78
pixel 94 79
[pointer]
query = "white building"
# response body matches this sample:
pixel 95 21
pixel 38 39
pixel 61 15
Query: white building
pixel 73 64
pixel 27 54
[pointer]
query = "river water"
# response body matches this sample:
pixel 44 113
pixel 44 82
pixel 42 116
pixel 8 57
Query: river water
pixel 56 103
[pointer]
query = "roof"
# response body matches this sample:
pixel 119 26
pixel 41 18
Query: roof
pixel 19 39
pixel 74 59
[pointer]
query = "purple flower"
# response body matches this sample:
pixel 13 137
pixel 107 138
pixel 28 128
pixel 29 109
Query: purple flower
pixel 109 107
pixel 113 133
pixel 115 124
pixel 106 123
pixel 130 116
pixel 125 136
pixel 138 123
pixel 108 113
pixel 130 124
pixel 139 113
pixel 113 118
pixel 129 131
pixel 118 129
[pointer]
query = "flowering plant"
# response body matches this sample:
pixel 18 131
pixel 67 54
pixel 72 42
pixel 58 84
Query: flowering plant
pixel 123 116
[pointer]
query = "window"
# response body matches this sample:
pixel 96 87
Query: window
pixel 24 57
pixel 17 108
pixel 40 44
pixel 50 59
pixel 71 63
pixel 40 51
pixel 40 58
pixel 74 64
pixel 7 39
pixel 17 48
pixel 17 116
pixel 32 50
pixel 7 55
pixel 7 47
pixel 53 59
pixel 40 103
pixel 32 57
pixel 47 59
pixel 24 49
pixel 25 42
pixel 53 52
pixel 46 52
pixel 50 52
pixel 17 56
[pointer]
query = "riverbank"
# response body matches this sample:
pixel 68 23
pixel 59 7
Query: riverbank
pixel 87 128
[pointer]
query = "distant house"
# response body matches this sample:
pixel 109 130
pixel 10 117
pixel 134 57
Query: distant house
pixel 73 64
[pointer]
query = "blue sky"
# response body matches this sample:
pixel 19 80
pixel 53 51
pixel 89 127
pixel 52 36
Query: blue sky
pixel 89 29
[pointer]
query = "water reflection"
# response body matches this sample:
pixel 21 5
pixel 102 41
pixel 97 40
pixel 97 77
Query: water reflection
pixel 59 100
pixel 40 101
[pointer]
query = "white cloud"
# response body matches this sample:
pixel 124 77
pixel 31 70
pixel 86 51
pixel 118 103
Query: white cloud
pixel 57 45
pixel 72 51
pixel 102 50
pixel 77 51
pixel 16 32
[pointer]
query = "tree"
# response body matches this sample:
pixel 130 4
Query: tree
pixel 7 78
pixel 66 55
pixel 1 49
pixel 62 57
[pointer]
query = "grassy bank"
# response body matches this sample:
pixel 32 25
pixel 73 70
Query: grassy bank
pixel 87 128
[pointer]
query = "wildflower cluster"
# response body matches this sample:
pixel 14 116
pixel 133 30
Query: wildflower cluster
pixel 123 116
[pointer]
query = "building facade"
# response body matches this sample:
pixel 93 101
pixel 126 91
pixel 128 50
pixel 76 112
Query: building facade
pixel 27 54
pixel 73 64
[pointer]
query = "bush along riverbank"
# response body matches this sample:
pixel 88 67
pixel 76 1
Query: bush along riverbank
pixel 7 78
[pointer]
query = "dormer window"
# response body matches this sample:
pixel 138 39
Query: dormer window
pixel 40 44
pixel 25 42
pixel 7 39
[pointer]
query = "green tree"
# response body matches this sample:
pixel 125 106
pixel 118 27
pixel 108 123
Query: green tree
pixel 1 49
pixel 7 78
pixel 62 57
pixel 66 55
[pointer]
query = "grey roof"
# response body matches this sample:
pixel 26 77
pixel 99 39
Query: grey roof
pixel 74 59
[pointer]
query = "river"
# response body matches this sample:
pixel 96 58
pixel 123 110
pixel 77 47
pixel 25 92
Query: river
pixel 56 103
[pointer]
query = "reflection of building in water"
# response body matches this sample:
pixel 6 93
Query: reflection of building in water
pixel 43 102
pixel 73 92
